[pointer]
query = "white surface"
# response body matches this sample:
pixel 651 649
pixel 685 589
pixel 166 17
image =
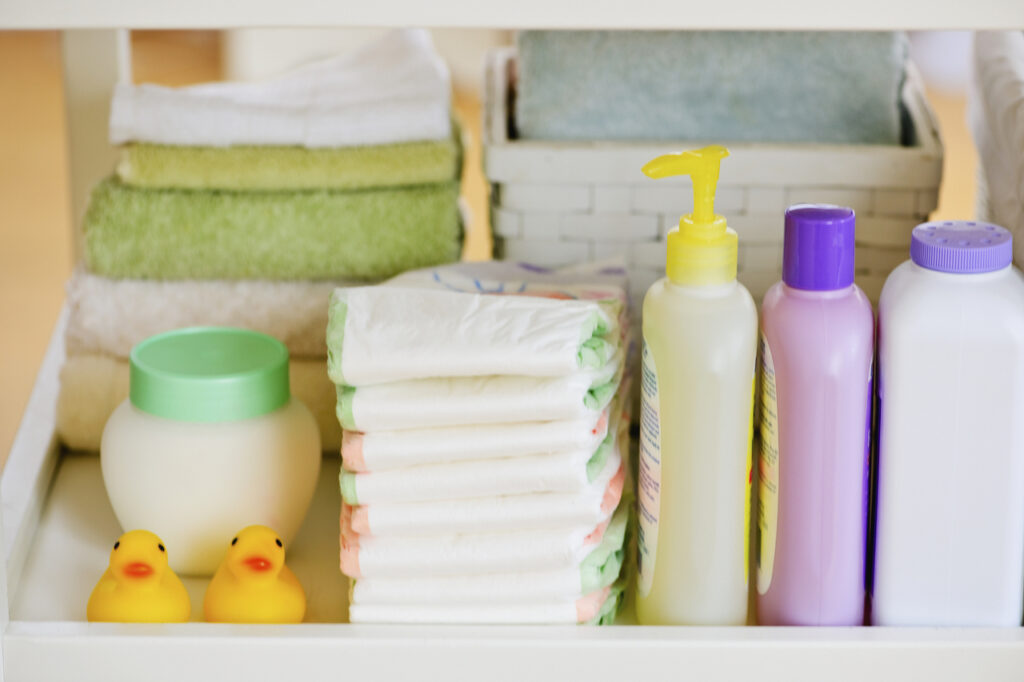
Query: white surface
pixel 60 650
pixel 197 484
pixel 78 527
pixel 791 14
pixel 396 89
pixel 693 485
pixel 950 528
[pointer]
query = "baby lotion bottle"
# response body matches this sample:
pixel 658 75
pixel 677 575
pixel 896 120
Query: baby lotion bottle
pixel 700 340
pixel 950 527
pixel 817 345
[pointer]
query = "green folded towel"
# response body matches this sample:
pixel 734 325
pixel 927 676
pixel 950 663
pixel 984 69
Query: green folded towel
pixel 283 168
pixel 757 86
pixel 318 234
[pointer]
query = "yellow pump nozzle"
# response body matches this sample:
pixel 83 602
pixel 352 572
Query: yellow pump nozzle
pixel 703 249
pixel 702 166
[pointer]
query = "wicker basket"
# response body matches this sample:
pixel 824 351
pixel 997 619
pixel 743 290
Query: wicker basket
pixel 554 203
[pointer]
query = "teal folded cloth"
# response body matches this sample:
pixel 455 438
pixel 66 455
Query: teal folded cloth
pixel 827 87
pixel 177 234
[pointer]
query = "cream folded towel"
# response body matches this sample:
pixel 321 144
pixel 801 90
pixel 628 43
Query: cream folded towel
pixel 91 386
pixel 394 90
pixel 109 316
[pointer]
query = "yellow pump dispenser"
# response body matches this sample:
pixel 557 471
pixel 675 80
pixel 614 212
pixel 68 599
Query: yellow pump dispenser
pixel 693 482
pixel 703 250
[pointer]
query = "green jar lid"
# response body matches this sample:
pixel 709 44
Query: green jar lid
pixel 209 374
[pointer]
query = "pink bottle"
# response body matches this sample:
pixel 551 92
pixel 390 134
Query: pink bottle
pixel 817 333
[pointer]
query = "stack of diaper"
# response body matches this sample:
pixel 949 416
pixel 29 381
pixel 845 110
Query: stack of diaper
pixel 246 204
pixel 485 445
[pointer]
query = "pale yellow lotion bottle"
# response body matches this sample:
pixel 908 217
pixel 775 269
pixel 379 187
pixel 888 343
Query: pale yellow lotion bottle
pixel 700 336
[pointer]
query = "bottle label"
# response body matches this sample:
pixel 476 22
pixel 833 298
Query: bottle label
pixel 649 485
pixel 768 471
pixel 750 478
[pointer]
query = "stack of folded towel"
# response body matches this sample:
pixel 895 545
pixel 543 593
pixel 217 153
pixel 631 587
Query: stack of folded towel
pixel 485 451
pixel 346 168
pixel 246 204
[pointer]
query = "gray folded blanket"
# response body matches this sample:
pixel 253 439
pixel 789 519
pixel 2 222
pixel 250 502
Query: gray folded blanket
pixel 831 87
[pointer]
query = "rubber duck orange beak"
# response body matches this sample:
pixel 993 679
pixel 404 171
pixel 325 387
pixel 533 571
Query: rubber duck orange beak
pixel 258 563
pixel 138 569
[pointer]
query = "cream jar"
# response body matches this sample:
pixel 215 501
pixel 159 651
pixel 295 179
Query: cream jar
pixel 209 441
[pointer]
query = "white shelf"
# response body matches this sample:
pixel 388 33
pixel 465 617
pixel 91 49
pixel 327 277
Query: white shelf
pixel 644 14
pixel 60 526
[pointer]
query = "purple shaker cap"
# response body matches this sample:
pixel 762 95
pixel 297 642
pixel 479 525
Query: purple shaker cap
pixel 818 247
pixel 961 246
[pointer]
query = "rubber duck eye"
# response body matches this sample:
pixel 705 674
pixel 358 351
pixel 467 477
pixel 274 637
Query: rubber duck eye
pixel 278 541
pixel 234 542
pixel 117 544
pixel 161 548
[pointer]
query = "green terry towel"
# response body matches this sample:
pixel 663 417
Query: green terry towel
pixel 754 86
pixel 284 168
pixel 319 234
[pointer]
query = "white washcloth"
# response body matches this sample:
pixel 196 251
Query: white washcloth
pixel 567 472
pixel 496 513
pixel 109 316
pixel 383 334
pixel 92 386
pixel 463 401
pixel 384 450
pixel 997 122
pixel 396 89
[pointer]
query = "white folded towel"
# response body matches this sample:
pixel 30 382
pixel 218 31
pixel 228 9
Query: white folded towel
pixel 384 334
pixel 996 114
pixel 385 450
pixel 394 90
pixel 463 401
pixel 109 316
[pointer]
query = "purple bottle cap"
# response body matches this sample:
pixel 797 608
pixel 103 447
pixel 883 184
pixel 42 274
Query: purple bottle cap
pixel 818 248
pixel 961 246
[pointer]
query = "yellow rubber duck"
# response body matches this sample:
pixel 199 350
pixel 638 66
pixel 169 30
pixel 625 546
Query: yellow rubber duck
pixel 252 584
pixel 138 586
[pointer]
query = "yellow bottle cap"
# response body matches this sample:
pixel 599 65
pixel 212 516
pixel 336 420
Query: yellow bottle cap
pixel 702 250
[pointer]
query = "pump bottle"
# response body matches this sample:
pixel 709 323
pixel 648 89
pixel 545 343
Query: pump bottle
pixel 697 381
